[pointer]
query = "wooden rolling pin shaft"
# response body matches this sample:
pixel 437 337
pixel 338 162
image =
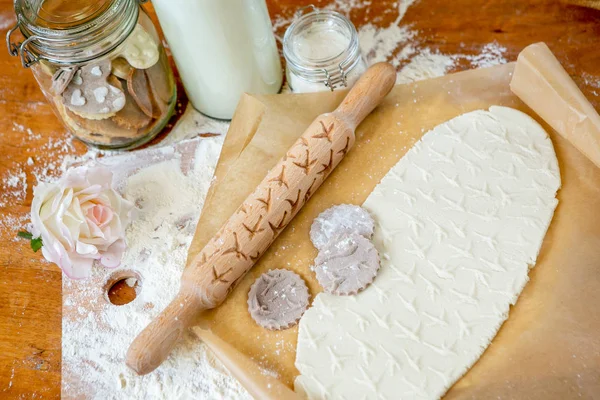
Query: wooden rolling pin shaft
pixel 249 232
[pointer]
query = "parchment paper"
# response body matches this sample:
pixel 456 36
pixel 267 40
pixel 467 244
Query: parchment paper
pixel 550 346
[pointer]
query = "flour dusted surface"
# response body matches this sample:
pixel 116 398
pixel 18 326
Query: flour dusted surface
pixel 461 219
pixel 94 348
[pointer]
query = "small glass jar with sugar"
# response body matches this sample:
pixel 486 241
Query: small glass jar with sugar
pixel 322 52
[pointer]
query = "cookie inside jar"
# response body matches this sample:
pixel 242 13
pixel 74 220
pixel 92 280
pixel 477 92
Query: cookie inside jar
pixel 118 100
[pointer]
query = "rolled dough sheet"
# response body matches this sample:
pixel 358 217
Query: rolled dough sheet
pixel 460 220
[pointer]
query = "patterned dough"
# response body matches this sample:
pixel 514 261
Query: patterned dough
pixel 277 299
pixel 347 264
pixel 461 219
pixel 343 218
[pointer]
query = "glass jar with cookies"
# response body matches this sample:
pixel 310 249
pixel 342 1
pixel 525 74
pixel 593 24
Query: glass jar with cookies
pixel 101 65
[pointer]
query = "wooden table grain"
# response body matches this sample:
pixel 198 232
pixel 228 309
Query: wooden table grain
pixel 30 289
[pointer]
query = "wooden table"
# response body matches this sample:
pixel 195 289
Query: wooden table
pixel 30 289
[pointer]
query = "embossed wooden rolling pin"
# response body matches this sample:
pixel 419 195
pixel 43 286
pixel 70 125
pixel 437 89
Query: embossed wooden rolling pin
pixel 246 235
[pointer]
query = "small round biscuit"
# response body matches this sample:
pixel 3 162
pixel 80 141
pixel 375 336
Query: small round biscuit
pixel 277 299
pixel 343 218
pixel 89 94
pixel 347 264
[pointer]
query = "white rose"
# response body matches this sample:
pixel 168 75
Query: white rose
pixel 81 220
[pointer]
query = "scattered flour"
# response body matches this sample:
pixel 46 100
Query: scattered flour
pixel 7 20
pixel 131 282
pixel 14 191
pixel 591 80
pixel 14 186
pixel 380 44
pixel 403 7
pixel 95 344
pixel 398 44
pixel 193 124
pixel 347 6
pixel 491 54
pixel 10 224
pixel 425 65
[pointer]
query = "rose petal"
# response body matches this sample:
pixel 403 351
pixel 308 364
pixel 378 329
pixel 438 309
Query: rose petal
pixel 100 215
pixel 73 267
pixel 40 194
pixel 85 249
pixel 89 194
pixel 74 220
pixel 100 175
pixel 111 258
pixel 75 178
pixel 93 230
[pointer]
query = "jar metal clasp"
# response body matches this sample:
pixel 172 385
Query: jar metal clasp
pixel 27 57
pixel 335 81
pixel 20 48
pixel 13 48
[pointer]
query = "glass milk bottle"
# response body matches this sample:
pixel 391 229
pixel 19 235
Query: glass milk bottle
pixel 222 49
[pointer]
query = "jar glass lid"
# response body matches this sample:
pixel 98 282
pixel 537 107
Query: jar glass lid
pixel 320 41
pixel 60 14
pixel 71 32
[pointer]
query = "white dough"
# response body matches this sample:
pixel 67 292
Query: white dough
pixel 460 220
pixel 342 218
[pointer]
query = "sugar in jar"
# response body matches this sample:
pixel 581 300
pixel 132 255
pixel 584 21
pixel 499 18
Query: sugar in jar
pixel 322 52
pixel 100 64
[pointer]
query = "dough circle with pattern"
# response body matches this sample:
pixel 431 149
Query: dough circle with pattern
pixel 277 299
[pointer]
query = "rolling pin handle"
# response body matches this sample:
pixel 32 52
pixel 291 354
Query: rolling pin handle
pixel 151 347
pixel 367 93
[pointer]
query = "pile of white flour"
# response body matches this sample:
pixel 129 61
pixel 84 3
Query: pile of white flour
pixel 95 343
